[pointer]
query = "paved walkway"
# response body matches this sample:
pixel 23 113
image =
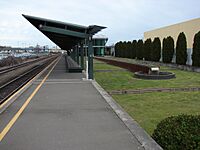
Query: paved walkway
pixel 67 113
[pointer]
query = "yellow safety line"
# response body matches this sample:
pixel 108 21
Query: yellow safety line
pixel 11 97
pixel 14 119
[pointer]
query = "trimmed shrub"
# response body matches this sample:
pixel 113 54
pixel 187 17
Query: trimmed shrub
pixel 156 49
pixel 134 47
pixel 123 49
pixel 181 49
pixel 129 49
pixel 178 133
pixel 140 49
pixel 147 49
pixel 196 50
pixel 117 49
pixel 168 49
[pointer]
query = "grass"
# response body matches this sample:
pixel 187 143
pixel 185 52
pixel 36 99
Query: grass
pixel 150 108
pixel 125 79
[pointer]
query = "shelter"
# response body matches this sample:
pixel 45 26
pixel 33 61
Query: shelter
pixel 69 37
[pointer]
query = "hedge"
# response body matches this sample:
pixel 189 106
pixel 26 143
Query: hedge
pixel 178 132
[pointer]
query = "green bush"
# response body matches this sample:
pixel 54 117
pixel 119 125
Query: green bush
pixel 156 49
pixel 140 50
pixel 147 49
pixel 178 133
pixel 168 49
pixel 181 49
pixel 196 50
pixel 134 47
pixel 129 49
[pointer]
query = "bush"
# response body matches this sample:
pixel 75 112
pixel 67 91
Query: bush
pixel 134 47
pixel 168 49
pixel 156 49
pixel 147 49
pixel 140 50
pixel 129 49
pixel 181 49
pixel 178 132
pixel 196 50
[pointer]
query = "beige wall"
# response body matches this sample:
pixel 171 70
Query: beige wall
pixel 190 28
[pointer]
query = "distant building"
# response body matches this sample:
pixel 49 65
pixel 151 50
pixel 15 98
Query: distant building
pixel 190 28
pixel 99 42
pixel 110 50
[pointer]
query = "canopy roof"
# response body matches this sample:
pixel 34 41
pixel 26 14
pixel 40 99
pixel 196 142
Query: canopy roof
pixel 65 35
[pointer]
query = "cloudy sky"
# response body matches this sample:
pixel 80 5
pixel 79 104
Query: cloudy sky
pixel 125 19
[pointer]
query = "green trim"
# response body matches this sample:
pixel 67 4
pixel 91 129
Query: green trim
pixel 63 31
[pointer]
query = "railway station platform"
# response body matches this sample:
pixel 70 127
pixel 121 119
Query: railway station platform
pixel 66 113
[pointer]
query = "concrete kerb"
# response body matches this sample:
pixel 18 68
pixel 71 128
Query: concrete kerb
pixel 23 89
pixel 146 141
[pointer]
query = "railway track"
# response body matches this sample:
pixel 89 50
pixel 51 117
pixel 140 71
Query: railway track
pixel 10 68
pixel 10 87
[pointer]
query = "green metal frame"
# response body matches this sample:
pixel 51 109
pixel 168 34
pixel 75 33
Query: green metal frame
pixel 68 36
pixel 64 32
pixel 82 56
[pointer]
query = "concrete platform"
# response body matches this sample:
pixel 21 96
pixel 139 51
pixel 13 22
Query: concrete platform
pixel 67 113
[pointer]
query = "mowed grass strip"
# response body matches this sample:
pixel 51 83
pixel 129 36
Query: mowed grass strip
pixel 150 108
pixel 125 80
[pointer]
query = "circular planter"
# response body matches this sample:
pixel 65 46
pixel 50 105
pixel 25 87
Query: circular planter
pixel 159 76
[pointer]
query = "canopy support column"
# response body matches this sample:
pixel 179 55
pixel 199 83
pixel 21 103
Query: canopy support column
pixel 72 54
pixel 77 52
pixel 90 58
pixel 82 55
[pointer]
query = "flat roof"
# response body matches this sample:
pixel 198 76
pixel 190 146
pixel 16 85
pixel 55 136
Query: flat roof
pixel 65 35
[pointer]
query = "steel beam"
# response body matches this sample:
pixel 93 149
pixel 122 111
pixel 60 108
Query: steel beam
pixel 63 31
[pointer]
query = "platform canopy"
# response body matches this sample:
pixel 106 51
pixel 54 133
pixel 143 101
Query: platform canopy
pixel 65 35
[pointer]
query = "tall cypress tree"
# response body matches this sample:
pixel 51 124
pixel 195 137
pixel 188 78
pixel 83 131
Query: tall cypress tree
pixel 120 48
pixel 140 49
pixel 156 49
pixel 124 51
pixel 117 49
pixel 129 49
pixel 196 50
pixel 134 46
pixel 181 49
pixel 164 51
pixel 147 49
pixel 168 49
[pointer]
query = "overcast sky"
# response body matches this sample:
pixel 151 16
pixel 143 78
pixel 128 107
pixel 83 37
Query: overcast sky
pixel 124 19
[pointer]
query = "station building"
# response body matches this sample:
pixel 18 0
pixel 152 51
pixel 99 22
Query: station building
pixel 190 28
pixel 99 42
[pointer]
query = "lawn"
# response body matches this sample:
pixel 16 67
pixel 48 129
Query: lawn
pixel 125 80
pixel 150 108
